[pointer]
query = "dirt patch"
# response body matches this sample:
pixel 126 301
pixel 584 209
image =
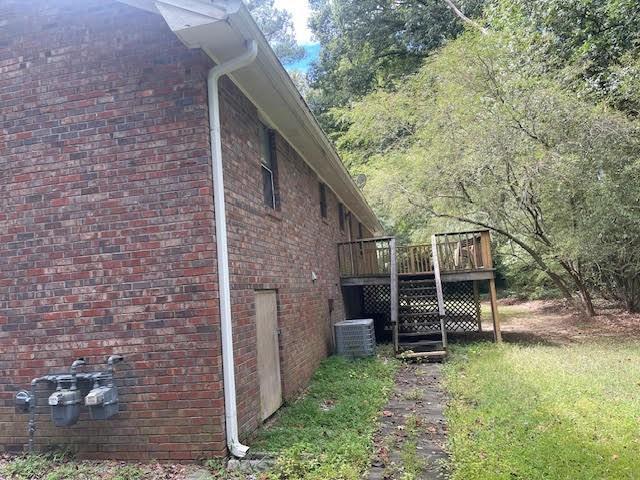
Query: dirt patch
pixel 551 321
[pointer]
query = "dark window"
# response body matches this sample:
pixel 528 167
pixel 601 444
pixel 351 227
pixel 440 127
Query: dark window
pixel 323 200
pixel 359 230
pixel 268 167
pixel 341 216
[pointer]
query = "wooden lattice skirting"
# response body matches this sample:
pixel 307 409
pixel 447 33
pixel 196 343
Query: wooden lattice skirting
pixel 417 312
pixel 460 305
pixel 376 301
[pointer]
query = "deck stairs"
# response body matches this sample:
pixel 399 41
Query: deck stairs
pixel 421 332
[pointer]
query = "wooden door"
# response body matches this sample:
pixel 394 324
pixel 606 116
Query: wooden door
pixel 268 353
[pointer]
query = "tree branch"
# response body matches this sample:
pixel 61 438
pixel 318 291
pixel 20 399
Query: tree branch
pixel 536 257
pixel 464 18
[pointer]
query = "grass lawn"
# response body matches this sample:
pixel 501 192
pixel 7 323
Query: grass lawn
pixel 327 434
pixel 544 412
pixel 62 467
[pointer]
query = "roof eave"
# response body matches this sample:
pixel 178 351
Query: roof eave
pixel 220 28
pixel 365 214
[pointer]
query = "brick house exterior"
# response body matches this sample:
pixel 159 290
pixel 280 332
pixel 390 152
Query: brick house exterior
pixel 107 238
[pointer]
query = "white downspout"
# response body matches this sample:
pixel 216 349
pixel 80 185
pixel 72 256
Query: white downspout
pixel 236 448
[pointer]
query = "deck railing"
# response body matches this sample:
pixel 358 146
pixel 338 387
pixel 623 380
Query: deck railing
pixel 414 259
pixel 464 251
pixel 457 252
pixel 366 257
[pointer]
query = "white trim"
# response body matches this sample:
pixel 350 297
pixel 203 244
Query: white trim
pixel 267 120
pixel 247 26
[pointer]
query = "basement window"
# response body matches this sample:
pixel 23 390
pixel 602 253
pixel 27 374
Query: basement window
pixel 268 167
pixel 323 200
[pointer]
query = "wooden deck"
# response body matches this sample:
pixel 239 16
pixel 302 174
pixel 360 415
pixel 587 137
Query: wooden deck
pixel 385 279
pixel 450 257
pixel 463 256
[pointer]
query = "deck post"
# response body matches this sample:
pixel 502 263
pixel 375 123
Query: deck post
pixel 497 335
pixel 476 299
pixel 485 241
pixel 394 291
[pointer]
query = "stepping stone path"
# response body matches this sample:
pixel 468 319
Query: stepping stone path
pixel 410 443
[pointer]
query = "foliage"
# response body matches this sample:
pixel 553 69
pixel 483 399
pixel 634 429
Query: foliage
pixel 216 467
pixel 50 466
pixel 327 434
pixel 278 29
pixel 536 412
pixel 588 40
pixel 71 471
pixel 62 466
pixel 530 129
pixel 475 136
pixel 27 467
pixel 367 44
pixel 301 82
pixel 413 464
pixel 524 280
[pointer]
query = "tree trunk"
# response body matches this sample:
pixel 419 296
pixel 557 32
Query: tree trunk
pixel 587 302
pixel 585 294
pixel 631 297
pixel 557 280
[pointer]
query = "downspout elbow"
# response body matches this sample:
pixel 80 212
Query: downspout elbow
pixel 244 59
pixel 236 448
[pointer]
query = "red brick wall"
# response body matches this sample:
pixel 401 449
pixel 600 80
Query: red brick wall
pixel 277 250
pixel 106 237
pixel 106 224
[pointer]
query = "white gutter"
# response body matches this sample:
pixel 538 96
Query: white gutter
pixel 236 448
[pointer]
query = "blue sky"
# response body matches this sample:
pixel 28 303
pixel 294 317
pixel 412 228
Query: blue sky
pixel 311 53
pixel 300 12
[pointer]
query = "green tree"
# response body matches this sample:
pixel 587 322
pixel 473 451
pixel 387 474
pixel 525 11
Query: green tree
pixel 278 29
pixel 368 44
pixel 587 41
pixel 475 137
pixel 301 82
